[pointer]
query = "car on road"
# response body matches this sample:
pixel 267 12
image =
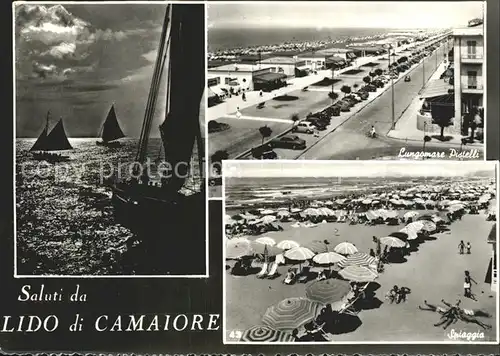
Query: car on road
pixel 289 141
pixel 370 88
pixel 304 127
pixel 378 83
pixel 343 105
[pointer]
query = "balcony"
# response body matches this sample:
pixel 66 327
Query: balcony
pixel 476 88
pixel 472 58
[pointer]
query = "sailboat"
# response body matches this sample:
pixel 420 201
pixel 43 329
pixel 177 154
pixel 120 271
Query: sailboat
pixel 111 130
pixel 56 140
pixel 168 217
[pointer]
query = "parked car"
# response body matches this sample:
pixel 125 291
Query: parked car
pixel 343 106
pixel 362 94
pixel 264 152
pixel 353 97
pixel 318 122
pixel 335 110
pixel 303 126
pixel 378 83
pixel 288 141
pixel 370 88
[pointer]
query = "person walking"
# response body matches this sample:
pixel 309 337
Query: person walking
pixel 467 285
pixel 461 247
pixel 468 247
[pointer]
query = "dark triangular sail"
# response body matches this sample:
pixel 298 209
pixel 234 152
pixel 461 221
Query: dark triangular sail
pixel 57 139
pixel 40 142
pixel 181 127
pixel 111 128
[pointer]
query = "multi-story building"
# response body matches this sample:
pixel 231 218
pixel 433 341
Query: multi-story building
pixel 469 74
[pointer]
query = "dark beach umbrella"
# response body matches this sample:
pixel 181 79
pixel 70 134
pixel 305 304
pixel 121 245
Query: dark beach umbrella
pixel 290 313
pixel 425 217
pixel 265 334
pixel 328 291
pixel 400 235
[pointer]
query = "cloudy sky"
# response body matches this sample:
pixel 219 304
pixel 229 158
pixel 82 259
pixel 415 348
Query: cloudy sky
pixel 432 168
pixel 76 60
pixel 394 14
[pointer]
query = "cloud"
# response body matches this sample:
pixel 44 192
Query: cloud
pixel 48 35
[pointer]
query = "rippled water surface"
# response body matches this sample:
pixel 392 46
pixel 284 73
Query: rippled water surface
pixel 64 217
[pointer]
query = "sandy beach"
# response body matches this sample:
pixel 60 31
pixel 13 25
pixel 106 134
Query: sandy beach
pixel 248 297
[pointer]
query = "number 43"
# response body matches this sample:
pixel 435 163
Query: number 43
pixel 235 334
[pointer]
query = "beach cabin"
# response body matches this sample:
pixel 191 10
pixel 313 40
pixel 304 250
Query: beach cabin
pixel 284 65
pixel 492 271
pixel 238 77
pixel 313 60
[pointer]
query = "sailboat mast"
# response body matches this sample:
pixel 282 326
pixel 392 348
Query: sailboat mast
pixel 141 154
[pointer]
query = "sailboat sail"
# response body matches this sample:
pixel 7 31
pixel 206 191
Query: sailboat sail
pixel 111 128
pixel 57 139
pixel 40 142
pixel 186 77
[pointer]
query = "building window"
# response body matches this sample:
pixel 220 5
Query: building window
pixel 227 80
pixel 471 49
pixel 213 81
pixel 472 79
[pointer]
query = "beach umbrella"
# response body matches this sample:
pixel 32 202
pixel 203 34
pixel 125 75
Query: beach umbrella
pixel 283 213
pixel 295 210
pixel 392 241
pixel 358 259
pixel 456 207
pixel 328 291
pixel 265 334
pixel 425 217
pixel 345 248
pixel 268 219
pixel 237 248
pixel 266 241
pixel 311 212
pixel 317 246
pixel 358 274
pixel 412 234
pixel 366 201
pixel 400 235
pixel 291 313
pixel 410 215
pixel 287 244
pixel 328 258
pixel 267 212
pixel 428 225
pixel 299 254
pixel 264 249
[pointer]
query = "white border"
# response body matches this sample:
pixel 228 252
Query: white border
pixel 207 249
pixel 485 76
pixel 332 163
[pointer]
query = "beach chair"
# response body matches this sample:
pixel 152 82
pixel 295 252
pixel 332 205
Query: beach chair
pixel 303 276
pixel 261 105
pixel 263 271
pixel 273 273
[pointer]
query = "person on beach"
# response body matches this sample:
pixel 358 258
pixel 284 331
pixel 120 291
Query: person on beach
pixel 238 113
pixel 372 253
pixel 402 293
pixel 243 97
pixel 392 294
pixel 373 133
pixel 260 93
pixel 461 247
pixel 468 247
pixel 467 285
pixel 295 334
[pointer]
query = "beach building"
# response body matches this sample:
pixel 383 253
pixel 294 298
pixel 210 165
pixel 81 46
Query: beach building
pixel 468 60
pixel 245 77
pixel 285 65
pixel 347 54
pixel 492 271
pixel 314 60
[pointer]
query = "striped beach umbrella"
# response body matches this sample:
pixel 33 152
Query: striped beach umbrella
pixel 237 248
pixel 287 244
pixel 357 259
pixel 266 241
pixel 416 226
pixel 428 226
pixel 358 274
pixel 290 313
pixel 299 254
pixel 328 258
pixel 328 291
pixel 317 246
pixel 267 219
pixel 265 334
pixel 345 248
pixel 392 241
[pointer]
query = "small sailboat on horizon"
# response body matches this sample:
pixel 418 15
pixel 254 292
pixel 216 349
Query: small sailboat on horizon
pixel 55 140
pixel 111 130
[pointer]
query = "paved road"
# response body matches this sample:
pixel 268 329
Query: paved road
pixel 350 140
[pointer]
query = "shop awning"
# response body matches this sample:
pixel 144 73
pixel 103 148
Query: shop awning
pixel 435 88
pixel 350 55
pixel 268 77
